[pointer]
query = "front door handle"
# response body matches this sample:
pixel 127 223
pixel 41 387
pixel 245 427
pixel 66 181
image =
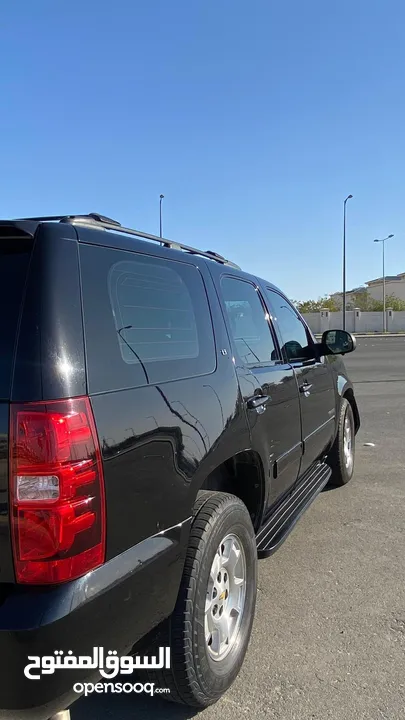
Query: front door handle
pixel 258 402
pixel 305 388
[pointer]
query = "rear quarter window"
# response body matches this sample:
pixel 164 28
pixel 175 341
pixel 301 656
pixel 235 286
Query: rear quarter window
pixel 147 320
pixel 14 262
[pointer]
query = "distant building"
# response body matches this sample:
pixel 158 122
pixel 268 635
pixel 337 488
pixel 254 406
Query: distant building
pixel 394 285
pixel 350 297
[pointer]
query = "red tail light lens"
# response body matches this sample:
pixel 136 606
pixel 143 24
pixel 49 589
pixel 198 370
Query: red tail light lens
pixel 57 491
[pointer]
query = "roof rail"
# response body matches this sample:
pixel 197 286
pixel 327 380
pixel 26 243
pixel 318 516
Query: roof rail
pixel 105 223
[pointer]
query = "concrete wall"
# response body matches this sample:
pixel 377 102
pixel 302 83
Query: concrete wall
pixel 356 321
pixel 371 322
pixel 314 321
pixel 395 321
pixel 336 320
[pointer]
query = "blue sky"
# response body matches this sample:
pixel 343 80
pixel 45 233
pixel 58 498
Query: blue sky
pixel 255 119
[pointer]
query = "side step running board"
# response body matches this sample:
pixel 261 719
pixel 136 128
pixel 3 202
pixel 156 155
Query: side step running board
pixel 282 521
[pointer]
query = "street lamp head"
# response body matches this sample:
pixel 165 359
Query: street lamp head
pixel 384 239
pixel 349 196
pixel 161 197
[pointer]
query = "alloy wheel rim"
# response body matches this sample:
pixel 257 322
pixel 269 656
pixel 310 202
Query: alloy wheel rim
pixel 225 598
pixel 348 445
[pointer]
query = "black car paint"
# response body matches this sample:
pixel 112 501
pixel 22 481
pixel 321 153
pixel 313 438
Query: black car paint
pixel 159 444
pixel 276 439
pixel 112 607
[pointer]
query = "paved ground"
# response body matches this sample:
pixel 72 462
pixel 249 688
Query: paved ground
pixel 377 359
pixel 329 635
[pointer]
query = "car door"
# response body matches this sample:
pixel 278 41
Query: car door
pixel 266 381
pixel 313 373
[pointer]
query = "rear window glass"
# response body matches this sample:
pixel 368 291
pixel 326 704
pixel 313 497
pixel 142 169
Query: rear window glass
pixel 153 313
pixel 147 320
pixel 14 261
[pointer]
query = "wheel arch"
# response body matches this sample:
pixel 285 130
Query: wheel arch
pixel 345 390
pixel 242 475
pixel 349 396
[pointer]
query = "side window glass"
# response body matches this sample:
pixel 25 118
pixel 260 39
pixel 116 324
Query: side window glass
pixel 153 313
pixel 147 320
pixel 296 342
pixel 248 323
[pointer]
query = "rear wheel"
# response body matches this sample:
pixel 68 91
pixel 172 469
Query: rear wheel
pixel 342 455
pixel 211 625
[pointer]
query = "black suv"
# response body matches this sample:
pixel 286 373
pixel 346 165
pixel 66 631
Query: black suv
pixel 165 418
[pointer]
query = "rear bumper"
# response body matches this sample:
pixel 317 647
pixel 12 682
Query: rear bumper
pixel 112 607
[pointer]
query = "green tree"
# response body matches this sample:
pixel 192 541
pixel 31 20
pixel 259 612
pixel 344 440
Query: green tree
pixel 391 301
pixel 365 303
pixel 310 306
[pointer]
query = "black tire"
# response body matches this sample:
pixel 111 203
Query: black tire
pixel 341 473
pixel 194 678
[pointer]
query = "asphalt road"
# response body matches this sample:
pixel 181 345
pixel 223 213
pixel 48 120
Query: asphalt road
pixel 329 634
pixel 377 359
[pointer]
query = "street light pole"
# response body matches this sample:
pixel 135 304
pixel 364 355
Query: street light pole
pixel 383 263
pixel 344 261
pixel 384 318
pixel 160 214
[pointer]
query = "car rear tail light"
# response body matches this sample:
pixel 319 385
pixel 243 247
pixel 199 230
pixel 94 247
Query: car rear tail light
pixel 57 491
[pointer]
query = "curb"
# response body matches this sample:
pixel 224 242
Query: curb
pixel 372 335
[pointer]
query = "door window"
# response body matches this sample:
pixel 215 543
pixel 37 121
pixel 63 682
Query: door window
pixel 248 322
pixel 297 344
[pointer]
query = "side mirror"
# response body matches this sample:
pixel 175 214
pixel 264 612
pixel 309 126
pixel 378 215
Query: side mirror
pixel 338 342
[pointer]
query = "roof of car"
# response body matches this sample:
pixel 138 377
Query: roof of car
pixel 95 221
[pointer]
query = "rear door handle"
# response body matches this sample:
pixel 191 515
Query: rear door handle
pixel 258 402
pixel 305 388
